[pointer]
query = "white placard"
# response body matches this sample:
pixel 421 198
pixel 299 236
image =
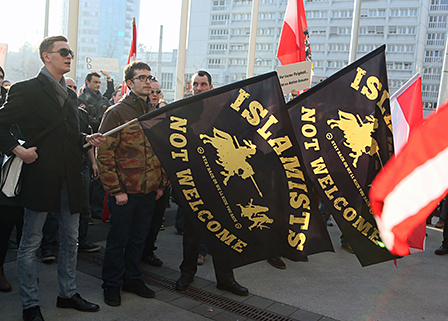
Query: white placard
pixel 3 53
pixel 295 76
pixel 99 63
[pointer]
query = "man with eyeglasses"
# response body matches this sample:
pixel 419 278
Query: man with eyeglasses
pixel 51 173
pixel 134 179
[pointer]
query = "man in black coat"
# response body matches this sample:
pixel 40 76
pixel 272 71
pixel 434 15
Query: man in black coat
pixel 51 173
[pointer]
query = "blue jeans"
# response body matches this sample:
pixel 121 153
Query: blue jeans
pixel 126 239
pixel 30 242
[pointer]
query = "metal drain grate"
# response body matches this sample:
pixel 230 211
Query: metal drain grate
pixel 196 294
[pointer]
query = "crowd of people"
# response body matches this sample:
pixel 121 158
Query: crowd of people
pixel 46 121
pixel 64 184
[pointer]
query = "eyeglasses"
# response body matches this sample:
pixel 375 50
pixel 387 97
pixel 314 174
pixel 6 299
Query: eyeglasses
pixel 143 78
pixel 64 52
pixel 158 91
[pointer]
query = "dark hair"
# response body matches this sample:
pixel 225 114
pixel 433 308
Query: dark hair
pixel 3 72
pixel 202 73
pixel 48 43
pixel 130 69
pixel 116 92
pixel 91 74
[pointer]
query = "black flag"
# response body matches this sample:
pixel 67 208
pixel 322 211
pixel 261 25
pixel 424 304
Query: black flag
pixel 344 130
pixel 232 158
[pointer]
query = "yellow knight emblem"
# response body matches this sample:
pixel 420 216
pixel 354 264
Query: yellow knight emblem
pixel 256 213
pixel 357 133
pixel 231 156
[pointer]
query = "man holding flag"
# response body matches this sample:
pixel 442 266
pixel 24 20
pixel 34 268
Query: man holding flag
pixel 202 82
pixel 134 179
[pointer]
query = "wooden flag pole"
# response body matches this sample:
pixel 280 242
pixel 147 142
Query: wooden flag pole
pixel 116 129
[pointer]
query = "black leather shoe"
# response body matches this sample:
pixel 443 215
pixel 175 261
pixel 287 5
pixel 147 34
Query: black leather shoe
pixel 183 282
pixel 152 260
pixel 277 262
pixel 112 296
pixel 441 250
pixel 32 314
pixel 138 287
pixel 234 287
pixel 77 303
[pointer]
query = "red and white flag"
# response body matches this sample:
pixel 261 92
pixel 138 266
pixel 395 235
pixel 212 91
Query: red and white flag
pixel 407 113
pixel 293 45
pixel 411 185
pixel 406 110
pixel 132 53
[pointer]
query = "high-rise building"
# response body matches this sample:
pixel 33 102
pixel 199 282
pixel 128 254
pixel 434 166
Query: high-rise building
pixel 104 30
pixel 414 32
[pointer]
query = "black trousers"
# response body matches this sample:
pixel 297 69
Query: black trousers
pixel 191 240
pixel 10 216
pixel 156 223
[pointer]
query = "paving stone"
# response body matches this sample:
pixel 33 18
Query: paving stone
pixel 259 302
pixel 167 296
pixel 185 303
pixel 302 315
pixel 175 275
pixel 282 309
pixel 93 270
pixel 207 311
pixel 235 297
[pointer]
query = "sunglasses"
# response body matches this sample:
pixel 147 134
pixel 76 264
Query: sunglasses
pixel 158 91
pixel 143 78
pixel 64 52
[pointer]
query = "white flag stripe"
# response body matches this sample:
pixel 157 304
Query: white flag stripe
pixel 413 193
pixel 400 126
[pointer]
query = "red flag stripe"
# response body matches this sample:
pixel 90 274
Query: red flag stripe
pixel 291 46
pixel 411 185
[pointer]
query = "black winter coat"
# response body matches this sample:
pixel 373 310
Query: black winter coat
pixel 33 105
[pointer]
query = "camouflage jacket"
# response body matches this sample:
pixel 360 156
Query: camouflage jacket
pixel 126 160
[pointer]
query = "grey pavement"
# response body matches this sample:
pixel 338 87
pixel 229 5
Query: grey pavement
pixel 331 286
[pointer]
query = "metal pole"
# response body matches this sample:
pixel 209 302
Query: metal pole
pixel 159 57
pixel 252 39
pixel 182 51
pixel 443 87
pixel 72 33
pixel 47 13
pixel 355 31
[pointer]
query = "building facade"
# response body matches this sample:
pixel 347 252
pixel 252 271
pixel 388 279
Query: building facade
pixel 104 30
pixel 414 32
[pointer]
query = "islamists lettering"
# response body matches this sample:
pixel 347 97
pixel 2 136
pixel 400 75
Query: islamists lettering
pixel 254 113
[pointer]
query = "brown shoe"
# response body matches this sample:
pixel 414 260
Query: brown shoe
pixel 440 224
pixel 4 284
pixel 201 259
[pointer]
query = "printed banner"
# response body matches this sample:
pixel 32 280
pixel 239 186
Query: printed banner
pixel 233 160
pixel 343 126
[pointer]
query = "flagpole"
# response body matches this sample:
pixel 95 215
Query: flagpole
pixel 72 33
pixel 182 51
pixel 159 57
pixel 47 14
pixel 355 31
pixel 252 39
pixel 443 87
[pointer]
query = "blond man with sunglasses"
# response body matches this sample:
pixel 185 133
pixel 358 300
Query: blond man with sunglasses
pixel 51 174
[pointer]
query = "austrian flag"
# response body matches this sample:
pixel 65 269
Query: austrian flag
pixel 411 185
